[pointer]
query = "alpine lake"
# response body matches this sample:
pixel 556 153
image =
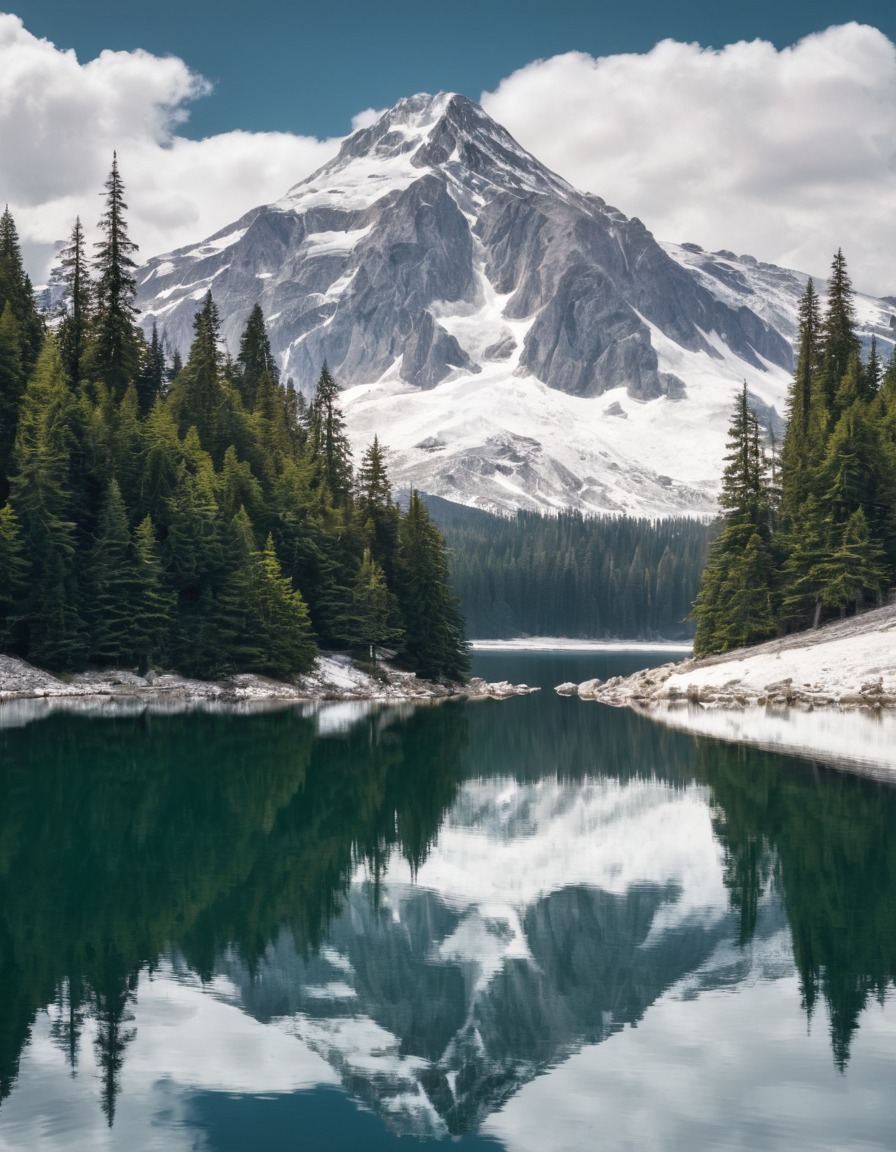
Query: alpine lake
pixel 536 924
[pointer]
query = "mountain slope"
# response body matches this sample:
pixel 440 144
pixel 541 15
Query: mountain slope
pixel 514 342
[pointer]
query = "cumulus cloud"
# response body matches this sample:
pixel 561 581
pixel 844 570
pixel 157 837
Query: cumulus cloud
pixel 783 154
pixel 60 121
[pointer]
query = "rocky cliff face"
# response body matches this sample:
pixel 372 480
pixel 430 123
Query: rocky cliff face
pixel 434 252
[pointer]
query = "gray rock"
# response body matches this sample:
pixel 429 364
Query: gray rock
pixel 567 689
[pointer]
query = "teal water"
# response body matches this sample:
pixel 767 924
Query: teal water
pixel 533 924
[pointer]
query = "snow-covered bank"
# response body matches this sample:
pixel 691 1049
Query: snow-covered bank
pixel 565 644
pixel 829 694
pixel 333 678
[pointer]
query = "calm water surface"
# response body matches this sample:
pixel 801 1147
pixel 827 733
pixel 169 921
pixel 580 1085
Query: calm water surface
pixel 529 925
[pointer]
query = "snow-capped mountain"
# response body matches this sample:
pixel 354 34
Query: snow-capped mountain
pixel 513 341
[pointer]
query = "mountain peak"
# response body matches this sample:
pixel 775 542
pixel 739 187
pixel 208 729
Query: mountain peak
pixel 446 131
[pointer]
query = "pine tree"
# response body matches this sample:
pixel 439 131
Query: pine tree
pixel 736 602
pixel 330 451
pixel 434 642
pixel 839 343
pixel 114 356
pixel 854 571
pixel 13 573
pixel 378 515
pixel 201 397
pixel 374 619
pixel 109 609
pixel 77 290
pixel 152 376
pixel 16 290
pixel 255 364
pixel 284 627
pixel 152 604
pixel 12 385
pixel 41 495
pixel 797 451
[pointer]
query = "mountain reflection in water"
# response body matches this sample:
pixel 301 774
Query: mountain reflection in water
pixel 429 907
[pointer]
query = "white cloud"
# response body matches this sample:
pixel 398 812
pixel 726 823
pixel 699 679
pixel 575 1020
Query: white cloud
pixel 783 154
pixel 60 121
pixel 366 118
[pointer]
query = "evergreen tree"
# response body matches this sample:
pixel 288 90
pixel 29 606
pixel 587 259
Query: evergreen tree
pixel 200 396
pixel 152 376
pixel 798 451
pixel 110 609
pixel 854 570
pixel 330 452
pixel 255 366
pixel 73 331
pixel 284 627
pixel 874 371
pixel 16 290
pixel 41 495
pixel 434 632
pixel 378 515
pixel 735 605
pixel 839 342
pixel 153 605
pixel 114 356
pixel 12 385
pixel 13 572
pixel 374 620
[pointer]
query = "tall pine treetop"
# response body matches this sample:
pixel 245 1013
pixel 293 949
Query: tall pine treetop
pixel 116 352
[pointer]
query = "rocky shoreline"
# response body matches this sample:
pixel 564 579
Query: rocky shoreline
pixel 333 678
pixel 847 664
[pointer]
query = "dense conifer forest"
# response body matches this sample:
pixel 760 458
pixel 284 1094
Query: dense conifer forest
pixel 813 534
pixel 566 575
pixel 199 515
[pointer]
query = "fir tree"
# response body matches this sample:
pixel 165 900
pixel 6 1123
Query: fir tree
pixel 152 376
pixel 12 385
pixel 839 343
pixel 330 452
pixel 853 571
pixel 13 573
pixel 374 620
pixel 16 290
pixel 152 603
pixel 735 604
pixel 255 366
pixel 109 608
pixel 114 356
pixel 284 628
pixel 434 642
pixel 378 515
pixel 77 289
pixel 41 495
pixel 806 414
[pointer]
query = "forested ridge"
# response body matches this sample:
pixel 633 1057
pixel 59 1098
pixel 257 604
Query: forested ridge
pixel 812 534
pixel 567 575
pixel 199 515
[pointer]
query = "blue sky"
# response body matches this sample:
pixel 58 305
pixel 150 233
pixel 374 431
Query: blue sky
pixel 310 67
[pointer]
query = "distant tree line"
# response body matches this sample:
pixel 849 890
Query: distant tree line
pixel 813 534
pixel 568 575
pixel 194 515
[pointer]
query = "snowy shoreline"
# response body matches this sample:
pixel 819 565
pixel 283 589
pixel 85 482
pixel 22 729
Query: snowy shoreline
pixel 334 678
pixel 564 644
pixel 828 694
